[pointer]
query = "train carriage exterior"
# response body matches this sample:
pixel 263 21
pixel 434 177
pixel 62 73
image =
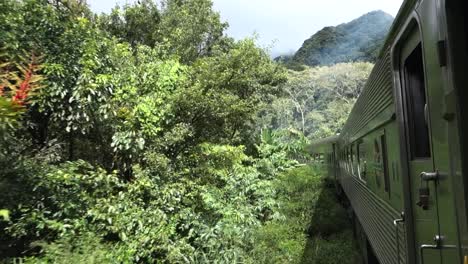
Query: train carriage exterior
pixel 323 151
pixel 401 158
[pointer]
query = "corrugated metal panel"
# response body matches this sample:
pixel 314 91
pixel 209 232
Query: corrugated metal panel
pixel 376 96
pixel 376 217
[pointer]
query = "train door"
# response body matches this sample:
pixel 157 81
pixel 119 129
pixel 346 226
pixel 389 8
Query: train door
pixel 429 202
pixel 415 135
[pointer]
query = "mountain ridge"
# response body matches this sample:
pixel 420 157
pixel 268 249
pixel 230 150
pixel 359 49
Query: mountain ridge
pixel 357 40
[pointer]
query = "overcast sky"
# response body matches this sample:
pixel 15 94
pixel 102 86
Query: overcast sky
pixel 282 24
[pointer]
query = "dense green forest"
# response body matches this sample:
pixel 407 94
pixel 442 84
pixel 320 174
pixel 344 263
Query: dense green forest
pixel 358 40
pixel 148 135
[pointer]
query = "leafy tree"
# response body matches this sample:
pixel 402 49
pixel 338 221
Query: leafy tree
pixel 191 28
pixel 137 23
pixel 219 100
pixel 302 93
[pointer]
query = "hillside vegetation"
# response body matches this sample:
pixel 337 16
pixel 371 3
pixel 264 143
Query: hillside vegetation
pixel 317 100
pixel 358 40
pixel 148 135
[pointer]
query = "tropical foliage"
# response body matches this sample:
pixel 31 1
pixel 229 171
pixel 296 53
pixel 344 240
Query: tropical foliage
pixel 147 136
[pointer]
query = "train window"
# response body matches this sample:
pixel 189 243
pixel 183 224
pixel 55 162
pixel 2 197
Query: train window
pixel 361 155
pixel 355 160
pixel 343 159
pixel 416 105
pixel 345 165
pixel 340 158
pixel 376 151
pixel 383 143
pixel 348 159
pixel 376 164
pixel 352 159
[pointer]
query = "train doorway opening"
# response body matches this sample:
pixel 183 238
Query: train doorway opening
pixel 371 258
pixel 416 105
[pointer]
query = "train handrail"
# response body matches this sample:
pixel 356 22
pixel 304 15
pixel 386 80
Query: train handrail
pixel 438 239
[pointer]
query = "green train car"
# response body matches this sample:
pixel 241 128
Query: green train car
pixel 401 158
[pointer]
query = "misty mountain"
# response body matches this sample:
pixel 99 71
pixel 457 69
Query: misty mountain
pixel 358 40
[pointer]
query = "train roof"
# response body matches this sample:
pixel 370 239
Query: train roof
pixel 322 145
pixel 405 10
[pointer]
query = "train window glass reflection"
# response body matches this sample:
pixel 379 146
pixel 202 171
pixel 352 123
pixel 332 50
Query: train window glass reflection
pixel 416 105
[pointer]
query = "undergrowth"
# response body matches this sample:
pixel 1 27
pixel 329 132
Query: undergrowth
pixel 314 227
